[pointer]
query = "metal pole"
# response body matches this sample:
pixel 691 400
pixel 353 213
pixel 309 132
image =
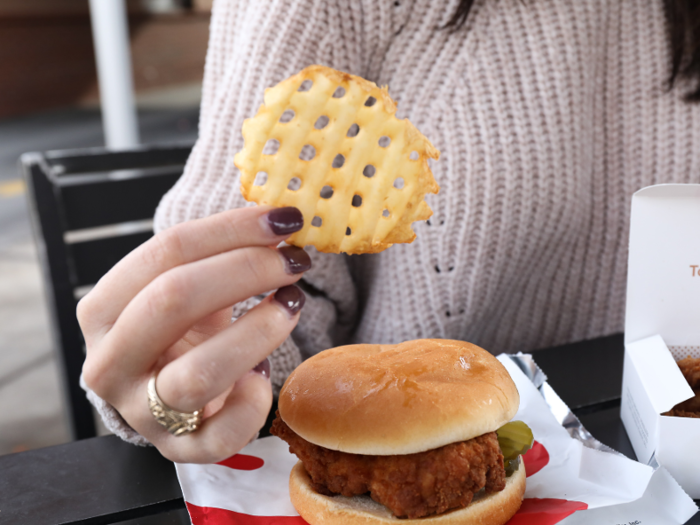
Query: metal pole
pixel 111 37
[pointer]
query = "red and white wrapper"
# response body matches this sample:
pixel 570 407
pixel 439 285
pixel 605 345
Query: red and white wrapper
pixel 570 479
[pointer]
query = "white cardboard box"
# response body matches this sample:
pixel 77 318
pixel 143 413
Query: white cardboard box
pixel 662 325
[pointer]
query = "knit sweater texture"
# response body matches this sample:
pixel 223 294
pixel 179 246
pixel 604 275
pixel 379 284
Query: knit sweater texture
pixel 548 114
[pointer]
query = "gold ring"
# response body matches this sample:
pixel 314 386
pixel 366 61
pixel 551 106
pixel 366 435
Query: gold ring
pixel 177 423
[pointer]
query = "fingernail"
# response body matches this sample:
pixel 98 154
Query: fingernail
pixel 291 297
pixel 296 260
pixel 284 221
pixel 263 368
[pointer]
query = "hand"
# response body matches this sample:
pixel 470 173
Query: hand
pixel 167 307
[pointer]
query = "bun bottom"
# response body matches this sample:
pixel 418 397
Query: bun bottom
pixel 494 509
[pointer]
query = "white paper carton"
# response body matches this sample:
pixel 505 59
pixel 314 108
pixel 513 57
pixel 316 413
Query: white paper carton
pixel 662 325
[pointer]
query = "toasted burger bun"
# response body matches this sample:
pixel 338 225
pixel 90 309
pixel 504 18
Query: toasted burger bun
pixel 398 399
pixel 493 509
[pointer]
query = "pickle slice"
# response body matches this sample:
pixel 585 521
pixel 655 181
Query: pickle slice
pixel 515 438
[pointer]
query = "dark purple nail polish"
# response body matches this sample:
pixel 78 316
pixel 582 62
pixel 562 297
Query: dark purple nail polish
pixel 263 368
pixel 296 259
pixel 285 221
pixel 291 297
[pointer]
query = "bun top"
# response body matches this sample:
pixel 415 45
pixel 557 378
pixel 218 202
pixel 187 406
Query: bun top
pixel 398 399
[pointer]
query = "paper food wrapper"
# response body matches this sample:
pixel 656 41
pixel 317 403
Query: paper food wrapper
pixel 571 477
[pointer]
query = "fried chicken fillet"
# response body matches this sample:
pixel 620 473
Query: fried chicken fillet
pixel 690 368
pixel 411 485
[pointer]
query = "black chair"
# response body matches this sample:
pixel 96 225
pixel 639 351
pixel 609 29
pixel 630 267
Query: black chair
pixel 89 208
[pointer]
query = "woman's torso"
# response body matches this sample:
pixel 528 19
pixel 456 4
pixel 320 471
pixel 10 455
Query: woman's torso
pixel 548 115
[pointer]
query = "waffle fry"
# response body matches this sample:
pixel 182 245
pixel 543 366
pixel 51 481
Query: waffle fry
pixel 329 143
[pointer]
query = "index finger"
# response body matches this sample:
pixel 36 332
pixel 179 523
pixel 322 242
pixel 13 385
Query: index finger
pixel 181 244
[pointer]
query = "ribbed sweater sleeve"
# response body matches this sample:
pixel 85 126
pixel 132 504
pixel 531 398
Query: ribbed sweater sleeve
pixel 254 45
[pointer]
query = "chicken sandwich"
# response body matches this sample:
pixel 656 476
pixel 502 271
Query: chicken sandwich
pixel 418 431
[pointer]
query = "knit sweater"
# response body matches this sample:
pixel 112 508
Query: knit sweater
pixel 549 115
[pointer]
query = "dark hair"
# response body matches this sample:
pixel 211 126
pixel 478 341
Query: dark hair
pixel 683 26
pixel 683 17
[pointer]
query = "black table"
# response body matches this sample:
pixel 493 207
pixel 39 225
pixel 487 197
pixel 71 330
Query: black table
pixel 104 480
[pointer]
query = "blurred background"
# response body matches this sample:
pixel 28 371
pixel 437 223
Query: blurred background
pixel 49 100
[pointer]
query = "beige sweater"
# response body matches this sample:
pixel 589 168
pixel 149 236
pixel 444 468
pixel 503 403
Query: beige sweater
pixel 549 114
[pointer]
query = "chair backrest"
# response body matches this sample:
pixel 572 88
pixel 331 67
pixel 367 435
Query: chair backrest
pixel 89 208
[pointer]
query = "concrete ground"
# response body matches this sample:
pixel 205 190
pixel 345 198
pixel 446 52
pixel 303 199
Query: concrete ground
pixel 30 395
